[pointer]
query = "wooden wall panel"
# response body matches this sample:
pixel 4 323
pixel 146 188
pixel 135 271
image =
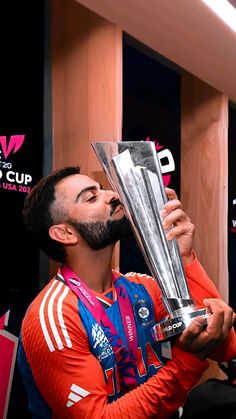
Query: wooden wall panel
pixel 204 180
pixel 86 83
pixel 204 173
pixel 86 86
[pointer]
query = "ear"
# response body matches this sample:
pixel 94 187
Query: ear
pixel 63 233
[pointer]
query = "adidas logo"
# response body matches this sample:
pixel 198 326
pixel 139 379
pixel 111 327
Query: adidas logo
pixel 77 393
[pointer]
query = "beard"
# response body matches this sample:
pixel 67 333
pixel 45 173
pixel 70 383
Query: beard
pixel 100 234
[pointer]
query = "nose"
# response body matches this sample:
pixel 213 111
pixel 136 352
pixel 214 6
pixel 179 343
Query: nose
pixel 110 196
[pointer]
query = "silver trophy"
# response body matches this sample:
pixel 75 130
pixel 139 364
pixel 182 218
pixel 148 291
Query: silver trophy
pixel 134 171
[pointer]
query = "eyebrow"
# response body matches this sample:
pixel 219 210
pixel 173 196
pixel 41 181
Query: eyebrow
pixel 89 188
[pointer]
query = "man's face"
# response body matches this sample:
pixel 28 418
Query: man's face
pixel 96 214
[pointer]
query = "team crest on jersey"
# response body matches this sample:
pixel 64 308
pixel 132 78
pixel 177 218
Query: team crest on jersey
pixel 100 343
pixel 142 312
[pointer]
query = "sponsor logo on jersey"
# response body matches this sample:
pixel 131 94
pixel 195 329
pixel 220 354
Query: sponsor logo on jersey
pixel 77 393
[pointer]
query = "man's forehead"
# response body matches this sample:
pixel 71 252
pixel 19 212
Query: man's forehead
pixel 75 183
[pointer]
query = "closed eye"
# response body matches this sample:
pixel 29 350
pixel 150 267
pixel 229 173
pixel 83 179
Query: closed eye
pixel 91 198
pixel 88 194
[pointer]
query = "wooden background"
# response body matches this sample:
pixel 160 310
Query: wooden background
pixel 87 105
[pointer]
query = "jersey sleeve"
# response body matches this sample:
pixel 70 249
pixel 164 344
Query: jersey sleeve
pixel 70 378
pixel 201 287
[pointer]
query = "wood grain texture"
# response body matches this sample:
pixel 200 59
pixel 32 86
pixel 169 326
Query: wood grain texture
pixel 204 180
pixel 87 83
pixel 204 174
pixel 86 87
pixel 186 32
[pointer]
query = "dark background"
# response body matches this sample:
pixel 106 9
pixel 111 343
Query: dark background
pixel 151 108
pixel 232 208
pixel 21 112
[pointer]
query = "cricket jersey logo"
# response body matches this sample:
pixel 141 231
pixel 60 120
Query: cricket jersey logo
pixel 77 393
pixel 143 314
pixel 100 342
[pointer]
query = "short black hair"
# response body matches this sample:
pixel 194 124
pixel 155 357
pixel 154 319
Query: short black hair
pixel 37 214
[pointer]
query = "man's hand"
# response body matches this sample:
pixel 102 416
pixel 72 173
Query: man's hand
pixel 182 228
pixel 202 339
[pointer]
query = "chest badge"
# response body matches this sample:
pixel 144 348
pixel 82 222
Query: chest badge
pixel 143 313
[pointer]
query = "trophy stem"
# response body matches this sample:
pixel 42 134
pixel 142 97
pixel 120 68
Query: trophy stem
pixel 155 210
pixel 134 171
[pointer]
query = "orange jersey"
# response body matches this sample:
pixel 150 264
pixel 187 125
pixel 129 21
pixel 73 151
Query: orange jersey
pixel 65 378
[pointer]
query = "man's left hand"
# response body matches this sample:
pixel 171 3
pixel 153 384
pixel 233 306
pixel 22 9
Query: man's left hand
pixel 182 228
pixel 200 338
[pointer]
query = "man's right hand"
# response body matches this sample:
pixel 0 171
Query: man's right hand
pixel 200 338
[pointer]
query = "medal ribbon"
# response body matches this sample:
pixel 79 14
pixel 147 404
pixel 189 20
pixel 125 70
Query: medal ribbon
pixel 125 360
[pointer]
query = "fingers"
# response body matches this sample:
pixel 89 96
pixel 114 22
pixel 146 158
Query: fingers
pixel 180 230
pixel 222 318
pixel 172 211
pixel 203 337
pixel 171 205
pixel 178 225
pixel 171 193
pixel 195 332
pixel 173 215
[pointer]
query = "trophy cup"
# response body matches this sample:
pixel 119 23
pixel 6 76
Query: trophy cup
pixel 134 171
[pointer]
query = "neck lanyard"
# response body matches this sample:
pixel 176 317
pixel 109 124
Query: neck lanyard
pixel 125 360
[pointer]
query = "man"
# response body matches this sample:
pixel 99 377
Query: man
pixel 86 349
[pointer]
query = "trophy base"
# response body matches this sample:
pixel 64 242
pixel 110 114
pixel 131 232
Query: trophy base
pixel 177 323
